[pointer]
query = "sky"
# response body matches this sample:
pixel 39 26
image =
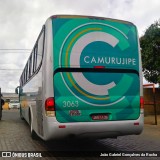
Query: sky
pixel 22 20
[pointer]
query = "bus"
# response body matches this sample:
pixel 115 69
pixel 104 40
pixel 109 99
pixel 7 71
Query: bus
pixel 83 79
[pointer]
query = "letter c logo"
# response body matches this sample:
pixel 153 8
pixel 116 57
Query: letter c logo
pixel 86 57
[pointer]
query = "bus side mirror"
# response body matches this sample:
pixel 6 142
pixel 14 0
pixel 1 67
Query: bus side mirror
pixel 18 90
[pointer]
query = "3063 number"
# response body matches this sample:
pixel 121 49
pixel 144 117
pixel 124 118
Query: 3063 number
pixel 70 104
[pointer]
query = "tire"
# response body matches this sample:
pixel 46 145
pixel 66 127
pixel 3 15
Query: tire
pixel 33 133
pixel 0 115
pixel 21 116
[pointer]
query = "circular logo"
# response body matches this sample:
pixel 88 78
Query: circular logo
pixel 85 47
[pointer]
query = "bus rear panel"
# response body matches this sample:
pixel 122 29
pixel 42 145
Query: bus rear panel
pixel 84 79
pixel 97 74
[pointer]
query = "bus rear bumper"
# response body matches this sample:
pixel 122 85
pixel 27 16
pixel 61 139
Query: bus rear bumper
pixel 107 129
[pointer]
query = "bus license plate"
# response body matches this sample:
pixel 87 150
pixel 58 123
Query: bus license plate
pixel 100 117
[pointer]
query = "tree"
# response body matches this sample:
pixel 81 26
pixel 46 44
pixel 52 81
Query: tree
pixel 150 45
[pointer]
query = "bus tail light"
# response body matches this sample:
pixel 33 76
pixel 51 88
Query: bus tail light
pixel 49 104
pixel 50 107
pixel 141 103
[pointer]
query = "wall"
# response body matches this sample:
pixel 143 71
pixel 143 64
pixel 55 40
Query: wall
pixel 148 99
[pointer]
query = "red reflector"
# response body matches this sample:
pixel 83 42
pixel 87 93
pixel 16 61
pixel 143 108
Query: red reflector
pixel 62 126
pixel 141 103
pixel 136 123
pixel 99 67
pixel 49 104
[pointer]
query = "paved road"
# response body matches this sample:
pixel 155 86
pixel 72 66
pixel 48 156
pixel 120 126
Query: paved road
pixel 15 136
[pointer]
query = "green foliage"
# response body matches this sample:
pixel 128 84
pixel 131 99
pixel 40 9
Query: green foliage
pixel 150 45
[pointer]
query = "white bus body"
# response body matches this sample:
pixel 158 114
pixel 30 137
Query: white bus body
pixel 78 83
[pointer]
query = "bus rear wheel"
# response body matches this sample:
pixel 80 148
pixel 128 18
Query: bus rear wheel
pixel 33 133
pixel 21 116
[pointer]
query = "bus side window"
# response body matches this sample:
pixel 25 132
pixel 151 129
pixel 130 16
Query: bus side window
pixel 26 72
pixel 40 49
pixel 30 67
pixel 32 63
pixel 35 58
pixel 23 78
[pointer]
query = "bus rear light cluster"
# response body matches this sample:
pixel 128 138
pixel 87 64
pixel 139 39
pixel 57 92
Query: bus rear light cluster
pixel 49 104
